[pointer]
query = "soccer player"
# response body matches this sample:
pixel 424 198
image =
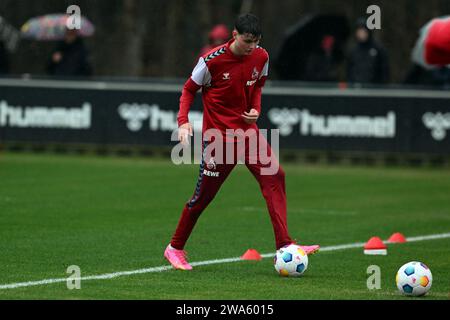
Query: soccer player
pixel 231 77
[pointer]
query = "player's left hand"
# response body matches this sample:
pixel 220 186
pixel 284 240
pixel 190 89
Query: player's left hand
pixel 251 116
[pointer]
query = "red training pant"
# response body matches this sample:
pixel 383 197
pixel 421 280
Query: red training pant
pixel 213 173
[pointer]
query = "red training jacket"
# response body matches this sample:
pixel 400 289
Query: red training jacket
pixel 230 85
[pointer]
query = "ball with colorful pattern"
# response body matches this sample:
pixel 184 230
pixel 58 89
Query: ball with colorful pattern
pixel 414 279
pixel 291 261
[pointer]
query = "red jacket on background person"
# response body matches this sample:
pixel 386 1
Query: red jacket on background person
pixel 218 35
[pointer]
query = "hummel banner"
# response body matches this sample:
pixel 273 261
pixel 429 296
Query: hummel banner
pixel 135 114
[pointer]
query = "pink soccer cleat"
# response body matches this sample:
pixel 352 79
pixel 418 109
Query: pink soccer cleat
pixel 177 258
pixel 309 250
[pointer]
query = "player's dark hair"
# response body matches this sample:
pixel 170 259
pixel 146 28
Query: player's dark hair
pixel 248 23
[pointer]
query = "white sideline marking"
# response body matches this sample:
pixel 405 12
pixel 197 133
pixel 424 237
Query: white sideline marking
pixel 200 263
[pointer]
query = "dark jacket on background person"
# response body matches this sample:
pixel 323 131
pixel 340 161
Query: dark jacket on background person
pixel 322 63
pixel 417 75
pixel 368 62
pixel 4 59
pixel 321 67
pixel 74 62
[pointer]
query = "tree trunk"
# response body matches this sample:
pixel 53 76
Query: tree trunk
pixel 131 35
pixel 172 36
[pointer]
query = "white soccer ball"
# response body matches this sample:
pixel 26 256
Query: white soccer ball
pixel 291 261
pixel 414 279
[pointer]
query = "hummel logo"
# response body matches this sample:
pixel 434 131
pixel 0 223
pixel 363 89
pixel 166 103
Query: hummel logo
pixel 438 123
pixel 285 119
pixel 226 76
pixel 135 114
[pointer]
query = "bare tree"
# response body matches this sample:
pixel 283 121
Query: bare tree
pixel 161 38
pixel 130 33
pixel 246 6
pixel 172 34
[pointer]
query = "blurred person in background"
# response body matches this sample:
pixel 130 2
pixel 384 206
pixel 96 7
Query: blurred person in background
pixel 218 35
pixel 368 60
pixel 441 77
pixel 70 58
pixel 4 59
pixel 322 63
pixel 438 77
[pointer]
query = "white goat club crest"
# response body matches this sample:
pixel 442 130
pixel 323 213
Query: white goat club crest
pixel 211 164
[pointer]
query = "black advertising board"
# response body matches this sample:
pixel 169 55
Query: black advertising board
pixel 101 113
pixel 357 123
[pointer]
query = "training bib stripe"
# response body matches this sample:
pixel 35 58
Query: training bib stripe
pixel 194 199
pixel 215 54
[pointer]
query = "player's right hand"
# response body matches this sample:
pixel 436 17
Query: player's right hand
pixel 184 131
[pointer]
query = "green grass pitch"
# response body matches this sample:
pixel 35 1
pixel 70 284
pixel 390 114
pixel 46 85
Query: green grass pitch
pixel 108 215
